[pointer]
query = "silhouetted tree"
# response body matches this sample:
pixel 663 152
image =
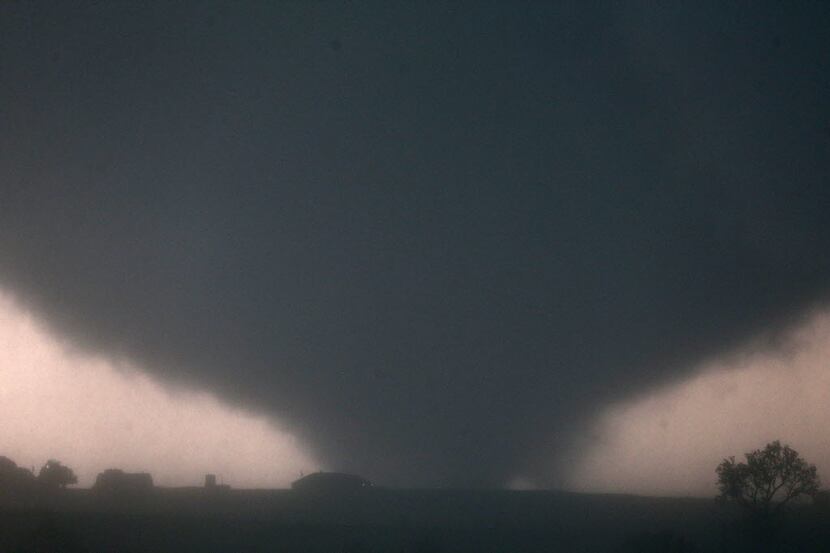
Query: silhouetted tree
pixel 7 466
pixel 14 479
pixel 55 475
pixel 768 480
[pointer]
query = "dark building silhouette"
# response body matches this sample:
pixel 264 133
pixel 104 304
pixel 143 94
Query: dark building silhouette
pixel 331 482
pixel 118 481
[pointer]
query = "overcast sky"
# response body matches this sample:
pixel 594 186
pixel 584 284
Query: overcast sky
pixel 435 242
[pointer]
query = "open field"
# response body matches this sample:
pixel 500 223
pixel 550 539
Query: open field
pixel 393 520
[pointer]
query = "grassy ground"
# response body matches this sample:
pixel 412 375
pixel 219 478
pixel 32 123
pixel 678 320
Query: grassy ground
pixel 402 521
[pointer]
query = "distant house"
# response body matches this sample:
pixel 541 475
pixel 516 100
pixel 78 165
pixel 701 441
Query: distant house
pixel 331 482
pixel 822 499
pixel 117 481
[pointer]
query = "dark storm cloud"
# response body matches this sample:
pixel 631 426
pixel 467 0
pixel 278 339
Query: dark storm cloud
pixel 434 239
